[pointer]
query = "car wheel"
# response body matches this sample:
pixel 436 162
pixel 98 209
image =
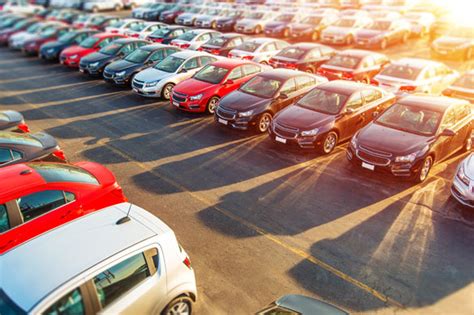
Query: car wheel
pixel 315 36
pixel 468 142
pixel 179 306
pixel 264 63
pixel 264 122
pixel 329 142
pixel 309 70
pixel 167 90
pixel 383 44
pixel 258 29
pixel 212 104
pixel 424 170
pixel 213 25
pixel 405 37
pixel 349 40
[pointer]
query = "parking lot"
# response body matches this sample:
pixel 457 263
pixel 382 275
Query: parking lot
pixel 257 220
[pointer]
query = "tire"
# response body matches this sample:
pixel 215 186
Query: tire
pixel 309 70
pixel 329 143
pixel 264 122
pixel 315 36
pixel 468 142
pixel 258 29
pixel 95 10
pixel 424 170
pixel 214 25
pixel 167 90
pixel 179 306
pixel 264 63
pixel 383 44
pixel 212 104
pixel 349 40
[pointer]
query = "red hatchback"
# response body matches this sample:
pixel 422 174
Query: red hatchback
pixel 37 197
pixel 202 92
pixel 71 56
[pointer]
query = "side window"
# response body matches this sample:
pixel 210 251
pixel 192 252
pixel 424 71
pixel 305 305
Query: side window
pixel 4 221
pixel 429 73
pixel 368 62
pixel 235 42
pixel 80 38
pixel 371 95
pixel 157 55
pixel 62 32
pixel 191 64
pixel 117 280
pixel 105 42
pixel 39 203
pixel 289 87
pixel 462 112
pixel 127 49
pixel 153 28
pixel 205 60
pixel 449 119
pixel 303 82
pixel 236 74
pixel 269 47
pixel 170 51
pixel 313 54
pixel 355 102
pixel 326 51
pixel 251 69
pixel 70 304
pixel 204 37
pixel 5 156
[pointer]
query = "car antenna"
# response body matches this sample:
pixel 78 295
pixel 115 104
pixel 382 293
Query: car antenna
pixel 126 218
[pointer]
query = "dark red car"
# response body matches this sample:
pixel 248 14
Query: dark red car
pixel 202 92
pixel 32 46
pixel 19 26
pixel 354 65
pixel 38 197
pixel 71 56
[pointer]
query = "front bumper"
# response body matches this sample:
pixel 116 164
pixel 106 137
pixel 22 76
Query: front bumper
pixel 448 53
pixel 140 89
pixel 86 69
pixel 182 102
pixel 292 139
pixel 72 63
pixel 462 193
pixel 367 43
pixel 276 32
pixel 230 119
pixel 225 27
pixel 203 24
pixel 113 78
pixel 48 55
pixel 245 29
pixel 335 40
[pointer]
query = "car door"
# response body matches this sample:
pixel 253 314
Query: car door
pixel 462 126
pixel 155 57
pixel 443 143
pixel 288 94
pixel 353 116
pixel 267 51
pixel 188 68
pixel 236 76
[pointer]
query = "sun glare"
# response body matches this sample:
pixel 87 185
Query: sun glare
pixel 459 10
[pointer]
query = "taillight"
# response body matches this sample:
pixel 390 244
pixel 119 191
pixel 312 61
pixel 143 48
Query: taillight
pixel 60 154
pixel 200 49
pixel 408 88
pixel 187 262
pixel 215 52
pixel 247 57
pixel 114 31
pixel 229 55
pixel 134 35
pixel 347 75
pixel 185 46
pixel 23 127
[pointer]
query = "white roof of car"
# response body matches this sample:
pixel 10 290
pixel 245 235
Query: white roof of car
pixel 185 54
pixel 34 269
pixel 416 62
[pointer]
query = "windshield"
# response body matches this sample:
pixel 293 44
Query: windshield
pixel 254 15
pixel 33 28
pixel 48 33
pixel 284 18
pixel 18 138
pixel 61 173
pixel 82 18
pixel 21 24
pixel 261 87
pixel 380 25
pixel 410 119
pixel 292 53
pixel 345 23
pixel 401 72
pixel 138 56
pixel 463 32
pixel 96 20
pixel 233 13
pixel 138 27
pixel 315 20
pixel 188 36
pixel 161 32
pixel 217 41
pixel 118 24
pixel 250 46
pixel 111 49
pixel 349 62
pixel 323 101
pixel 68 37
pixel 89 42
pixel 170 64
pixel 466 81
pixel 211 74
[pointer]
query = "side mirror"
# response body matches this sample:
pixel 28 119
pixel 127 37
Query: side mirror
pixel 349 111
pixel 283 96
pixel 183 71
pixel 448 133
pixel 229 81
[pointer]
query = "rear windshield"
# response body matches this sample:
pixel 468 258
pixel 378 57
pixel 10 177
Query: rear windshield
pixel 217 41
pixel 248 46
pixel 33 28
pixel 345 23
pixel 18 138
pixel 342 61
pixel 68 37
pixel 292 53
pixel 188 36
pixel 4 117
pixel 61 173
pixel 111 49
pixel 161 32
pixel 7 306
pixel 401 72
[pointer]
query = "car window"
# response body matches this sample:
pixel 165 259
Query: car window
pixel 313 54
pixel 251 69
pixel 429 73
pixel 5 156
pixel 235 42
pixel 4 221
pixel 281 45
pixel 127 49
pixel 171 51
pixel 269 47
pixel 449 119
pixel 236 74
pixel 70 304
pixel 462 112
pixel 205 60
pixel 289 87
pixel 60 173
pixel 191 64
pixel 120 278
pixel 368 62
pixel 157 55
pixel 304 82
pixel 104 42
pixel 204 37
pixel 442 70
pixel 371 95
pixel 39 203
pixel 326 51
pixel 355 102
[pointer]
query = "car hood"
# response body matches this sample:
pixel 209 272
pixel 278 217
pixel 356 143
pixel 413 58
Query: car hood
pixel 96 57
pixel 121 65
pixel 242 102
pixel 247 22
pixel 337 30
pixel 76 50
pixel 300 26
pixel 192 86
pixel 186 15
pixel 272 25
pixel 303 118
pixel 398 142
pixel 369 33
pixel 448 41
pixel 153 74
pixel 469 166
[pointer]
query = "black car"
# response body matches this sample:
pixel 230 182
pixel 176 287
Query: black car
pixel 305 57
pixel 13 121
pixel 20 148
pixel 227 23
pixel 222 44
pixel 95 63
pixel 154 12
pixel 279 27
pixel 329 114
pixel 165 35
pixel 121 72
pixel 52 50
pixel 257 101
pixel 101 22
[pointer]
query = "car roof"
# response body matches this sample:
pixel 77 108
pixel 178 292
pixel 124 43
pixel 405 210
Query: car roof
pixel 433 102
pixel 307 46
pixel 190 53
pixel 16 180
pixel 359 53
pixel 153 47
pixel 280 74
pixel 416 62
pixel 174 27
pixel 201 31
pixel 344 87
pixel 232 35
pixel 307 305
pixel 71 249
pixel 127 40
pixel 105 35
pixel 230 63
pixel 262 40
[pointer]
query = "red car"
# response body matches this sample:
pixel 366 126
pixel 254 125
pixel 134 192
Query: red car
pixel 355 65
pixel 38 197
pixel 202 92
pixel 72 55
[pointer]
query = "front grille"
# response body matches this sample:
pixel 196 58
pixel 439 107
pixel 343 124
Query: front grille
pixel 285 131
pixel 179 97
pixel 226 113
pixel 108 75
pixel 375 152
pixel 138 84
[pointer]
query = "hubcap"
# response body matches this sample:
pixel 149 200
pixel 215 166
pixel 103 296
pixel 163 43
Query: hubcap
pixel 180 308
pixel 330 143
pixel 212 105
pixel 167 93
pixel 425 169
pixel 264 122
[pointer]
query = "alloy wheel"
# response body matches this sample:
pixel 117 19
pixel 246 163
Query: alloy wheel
pixel 330 142
pixel 167 90
pixel 180 308
pixel 383 44
pixel 425 169
pixel 315 36
pixel 212 104
pixel 264 122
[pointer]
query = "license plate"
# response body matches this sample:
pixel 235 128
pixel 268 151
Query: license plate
pixel 222 121
pixel 176 104
pixel 281 140
pixel 368 166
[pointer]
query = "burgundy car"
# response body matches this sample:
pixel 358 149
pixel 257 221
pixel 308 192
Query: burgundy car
pixel 355 65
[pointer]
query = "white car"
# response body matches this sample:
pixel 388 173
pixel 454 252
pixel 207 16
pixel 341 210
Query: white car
pixel 160 80
pixel 420 22
pixel 142 30
pixel 105 262
pixel 254 22
pixel 343 31
pixel 411 75
pixel 122 26
pixel 21 7
pixel 103 5
pixel 259 50
pixel 193 39
pixel 17 40
pixel 463 183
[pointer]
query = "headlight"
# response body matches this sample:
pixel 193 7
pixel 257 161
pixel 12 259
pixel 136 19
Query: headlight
pixel 406 158
pixel 309 133
pixel 95 64
pixel 462 176
pixel 120 74
pixel 246 114
pixel 74 57
pixel 50 51
pixel 151 84
pixel 354 142
pixel 195 97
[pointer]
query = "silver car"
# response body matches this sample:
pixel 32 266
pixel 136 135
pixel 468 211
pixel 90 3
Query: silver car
pixel 254 22
pixel 107 262
pixel 17 40
pixel 193 39
pixel 343 31
pixel 258 49
pixel 103 5
pixel 463 183
pixel 160 80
